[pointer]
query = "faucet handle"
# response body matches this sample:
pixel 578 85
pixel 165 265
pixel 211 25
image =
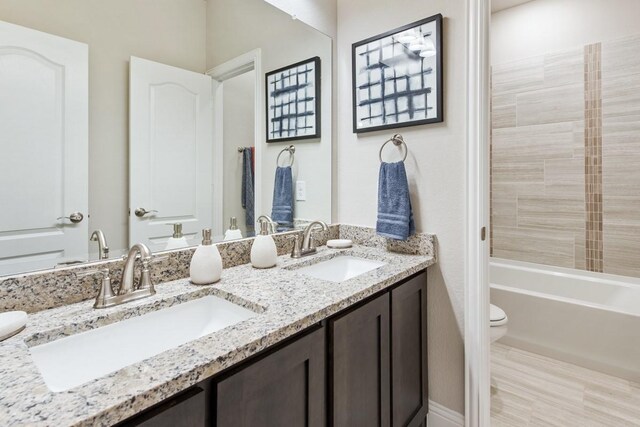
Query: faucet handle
pixel 106 291
pixel 296 252
pixel 145 277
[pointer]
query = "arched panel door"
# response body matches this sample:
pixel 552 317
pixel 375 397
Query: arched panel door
pixel 44 146
pixel 171 146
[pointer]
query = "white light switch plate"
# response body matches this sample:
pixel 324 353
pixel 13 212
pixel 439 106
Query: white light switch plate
pixel 301 190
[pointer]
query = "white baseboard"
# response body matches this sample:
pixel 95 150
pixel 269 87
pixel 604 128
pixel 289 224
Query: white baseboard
pixel 440 416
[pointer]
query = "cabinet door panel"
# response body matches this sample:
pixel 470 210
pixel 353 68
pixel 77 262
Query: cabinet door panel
pixel 286 388
pixel 361 367
pixel 188 409
pixel 409 352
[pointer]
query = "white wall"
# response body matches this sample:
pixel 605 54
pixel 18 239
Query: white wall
pixel 436 169
pixel 238 111
pixel 545 26
pixel 237 27
pixel 167 31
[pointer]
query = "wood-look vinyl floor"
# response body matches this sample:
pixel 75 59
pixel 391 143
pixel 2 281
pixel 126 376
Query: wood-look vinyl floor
pixel 532 390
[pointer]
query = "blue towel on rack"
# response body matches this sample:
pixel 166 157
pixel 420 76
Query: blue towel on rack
pixel 395 216
pixel 282 210
pixel 247 195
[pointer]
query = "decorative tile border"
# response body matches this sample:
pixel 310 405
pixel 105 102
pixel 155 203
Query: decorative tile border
pixel 593 156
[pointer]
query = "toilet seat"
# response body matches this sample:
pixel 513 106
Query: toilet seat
pixel 497 316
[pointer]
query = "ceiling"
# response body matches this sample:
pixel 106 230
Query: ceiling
pixel 498 5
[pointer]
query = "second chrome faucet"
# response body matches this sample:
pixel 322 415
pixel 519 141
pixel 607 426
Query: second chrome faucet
pixel 306 246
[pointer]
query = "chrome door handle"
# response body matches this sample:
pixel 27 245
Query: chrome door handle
pixel 140 212
pixel 75 217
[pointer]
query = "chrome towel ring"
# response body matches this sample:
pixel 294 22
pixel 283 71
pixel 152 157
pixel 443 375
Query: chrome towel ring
pixel 398 141
pixel 291 150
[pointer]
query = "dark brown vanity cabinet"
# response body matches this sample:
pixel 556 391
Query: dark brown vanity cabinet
pixel 286 388
pixel 364 367
pixel 378 360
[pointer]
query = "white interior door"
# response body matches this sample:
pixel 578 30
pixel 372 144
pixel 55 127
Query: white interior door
pixel 44 146
pixel 171 148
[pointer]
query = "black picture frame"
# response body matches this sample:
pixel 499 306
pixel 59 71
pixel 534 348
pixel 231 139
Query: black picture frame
pixel 270 135
pixel 439 114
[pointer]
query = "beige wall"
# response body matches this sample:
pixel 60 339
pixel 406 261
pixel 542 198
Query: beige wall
pixel 436 169
pixel 238 111
pixel 237 27
pixel 167 31
pixel 539 203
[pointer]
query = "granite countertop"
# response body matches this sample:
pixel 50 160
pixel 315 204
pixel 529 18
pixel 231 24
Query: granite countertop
pixel 286 302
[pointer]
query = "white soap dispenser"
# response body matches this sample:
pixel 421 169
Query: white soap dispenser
pixel 264 253
pixel 206 263
pixel 177 241
pixel 233 233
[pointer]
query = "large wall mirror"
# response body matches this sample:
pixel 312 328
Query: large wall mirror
pixel 146 121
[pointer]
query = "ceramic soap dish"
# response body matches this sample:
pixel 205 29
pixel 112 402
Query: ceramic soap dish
pixel 339 243
pixel 11 323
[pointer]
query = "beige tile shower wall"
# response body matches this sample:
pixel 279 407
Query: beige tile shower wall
pixel 621 155
pixel 538 185
pixel 545 200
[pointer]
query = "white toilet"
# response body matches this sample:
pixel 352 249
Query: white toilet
pixel 498 320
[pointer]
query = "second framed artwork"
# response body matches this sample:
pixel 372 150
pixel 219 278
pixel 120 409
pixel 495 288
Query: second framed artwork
pixel 293 101
pixel 397 77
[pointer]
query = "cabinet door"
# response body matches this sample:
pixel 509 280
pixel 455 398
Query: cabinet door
pixel 286 388
pixel 361 369
pixel 187 409
pixel 409 352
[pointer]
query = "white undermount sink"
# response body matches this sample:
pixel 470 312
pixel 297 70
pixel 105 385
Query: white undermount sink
pixel 77 359
pixel 340 268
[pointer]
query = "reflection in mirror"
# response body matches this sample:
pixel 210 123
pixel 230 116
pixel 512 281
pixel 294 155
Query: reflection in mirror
pixel 94 89
pixel 239 96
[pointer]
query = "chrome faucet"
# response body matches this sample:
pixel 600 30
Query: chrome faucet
pixel 306 246
pixel 103 249
pixel 127 291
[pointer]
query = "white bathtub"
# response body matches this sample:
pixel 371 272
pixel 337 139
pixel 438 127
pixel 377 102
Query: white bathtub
pixel 589 319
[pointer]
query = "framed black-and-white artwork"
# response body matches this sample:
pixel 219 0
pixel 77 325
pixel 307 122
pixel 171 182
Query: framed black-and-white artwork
pixel 293 102
pixel 397 77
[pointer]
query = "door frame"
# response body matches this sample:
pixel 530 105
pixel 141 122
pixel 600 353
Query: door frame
pixel 477 345
pixel 244 63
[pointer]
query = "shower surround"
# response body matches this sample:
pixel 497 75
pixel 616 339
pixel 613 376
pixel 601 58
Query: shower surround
pixel 565 158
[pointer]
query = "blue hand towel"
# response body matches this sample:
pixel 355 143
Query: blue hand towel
pixel 395 216
pixel 282 210
pixel 247 196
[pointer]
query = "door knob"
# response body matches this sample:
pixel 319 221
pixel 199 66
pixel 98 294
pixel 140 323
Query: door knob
pixel 75 217
pixel 140 212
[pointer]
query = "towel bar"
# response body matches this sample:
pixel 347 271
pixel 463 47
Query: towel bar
pixel 291 150
pixel 398 141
